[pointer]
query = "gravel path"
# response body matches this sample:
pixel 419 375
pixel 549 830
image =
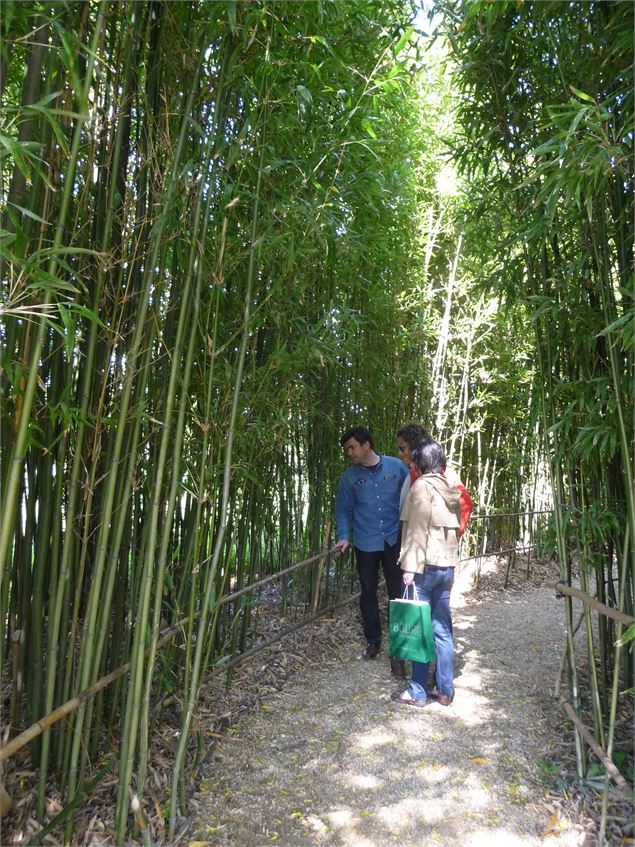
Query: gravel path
pixel 330 760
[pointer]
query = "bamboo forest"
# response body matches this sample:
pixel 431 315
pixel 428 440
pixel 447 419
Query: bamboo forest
pixel 232 230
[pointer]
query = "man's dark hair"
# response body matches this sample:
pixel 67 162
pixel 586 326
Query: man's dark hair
pixel 429 457
pixel 413 433
pixel 359 433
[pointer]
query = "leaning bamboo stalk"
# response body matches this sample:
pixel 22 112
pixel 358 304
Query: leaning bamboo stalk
pixel 85 791
pixel 588 736
pixel 609 611
pixel 40 726
pixel 227 598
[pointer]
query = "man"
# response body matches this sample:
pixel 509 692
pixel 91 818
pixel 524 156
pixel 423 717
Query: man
pixel 368 499
pixel 408 437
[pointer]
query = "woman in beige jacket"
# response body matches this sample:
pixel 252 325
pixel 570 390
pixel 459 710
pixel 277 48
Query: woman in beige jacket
pixel 429 555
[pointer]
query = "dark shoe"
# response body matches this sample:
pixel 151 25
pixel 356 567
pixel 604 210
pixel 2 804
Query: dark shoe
pixel 406 700
pixel 442 699
pixel 370 651
pixel 398 668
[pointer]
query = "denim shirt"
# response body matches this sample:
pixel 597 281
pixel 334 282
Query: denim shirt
pixel 369 499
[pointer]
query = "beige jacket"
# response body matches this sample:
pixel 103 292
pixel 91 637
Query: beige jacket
pixel 432 514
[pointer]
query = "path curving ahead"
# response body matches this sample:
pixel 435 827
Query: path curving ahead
pixel 332 761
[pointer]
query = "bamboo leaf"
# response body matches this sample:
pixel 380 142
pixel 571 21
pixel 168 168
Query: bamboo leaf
pixel 399 46
pixel 581 95
pixel 28 213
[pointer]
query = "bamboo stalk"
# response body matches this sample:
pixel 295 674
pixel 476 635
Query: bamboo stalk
pixel 192 693
pixel 40 726
pixel 614 690
pixel 318 580
pixel 570 591
pixel 10 500
pixel 588 736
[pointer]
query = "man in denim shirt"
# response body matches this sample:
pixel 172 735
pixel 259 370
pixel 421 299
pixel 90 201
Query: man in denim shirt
pixel 368 498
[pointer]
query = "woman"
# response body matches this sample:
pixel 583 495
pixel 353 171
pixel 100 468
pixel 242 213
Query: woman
pixel 429 555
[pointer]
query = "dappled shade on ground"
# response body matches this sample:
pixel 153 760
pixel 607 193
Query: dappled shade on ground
pixel 330 760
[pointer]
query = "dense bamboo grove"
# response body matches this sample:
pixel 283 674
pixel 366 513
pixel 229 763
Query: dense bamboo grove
pixel 545 136
pixel 228 233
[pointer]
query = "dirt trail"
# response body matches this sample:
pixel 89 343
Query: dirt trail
pixel 330 760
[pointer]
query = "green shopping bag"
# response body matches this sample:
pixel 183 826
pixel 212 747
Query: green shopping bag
pixel 411 634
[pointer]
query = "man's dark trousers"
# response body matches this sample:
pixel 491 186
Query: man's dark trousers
pixel 368 570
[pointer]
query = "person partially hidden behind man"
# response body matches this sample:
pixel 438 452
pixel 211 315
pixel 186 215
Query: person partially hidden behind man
pixel 368 500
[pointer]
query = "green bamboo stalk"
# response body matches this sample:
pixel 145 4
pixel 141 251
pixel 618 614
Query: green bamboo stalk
pixel 195 268
pixel 10 498
pixel 615 687
pixel 53 646
pixel 192 694
pixel 544 360
pixel 87 668
pixel 596 704
pixel 136 679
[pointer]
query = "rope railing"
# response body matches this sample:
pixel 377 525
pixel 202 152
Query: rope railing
pixel 499 552
pixel 510 515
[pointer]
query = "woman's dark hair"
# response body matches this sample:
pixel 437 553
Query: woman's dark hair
pixel 429 457
pixel 359 433
pixel 413 433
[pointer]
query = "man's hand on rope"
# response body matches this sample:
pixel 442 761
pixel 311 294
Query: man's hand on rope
pixel 341 547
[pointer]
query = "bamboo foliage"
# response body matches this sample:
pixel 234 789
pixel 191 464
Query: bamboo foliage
pixel 547 153
pixel 223 244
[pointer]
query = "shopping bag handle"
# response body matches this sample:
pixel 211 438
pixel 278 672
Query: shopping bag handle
pixel 404 596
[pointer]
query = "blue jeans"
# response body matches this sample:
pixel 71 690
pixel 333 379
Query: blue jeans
pixel 368 570
pixel 435 585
